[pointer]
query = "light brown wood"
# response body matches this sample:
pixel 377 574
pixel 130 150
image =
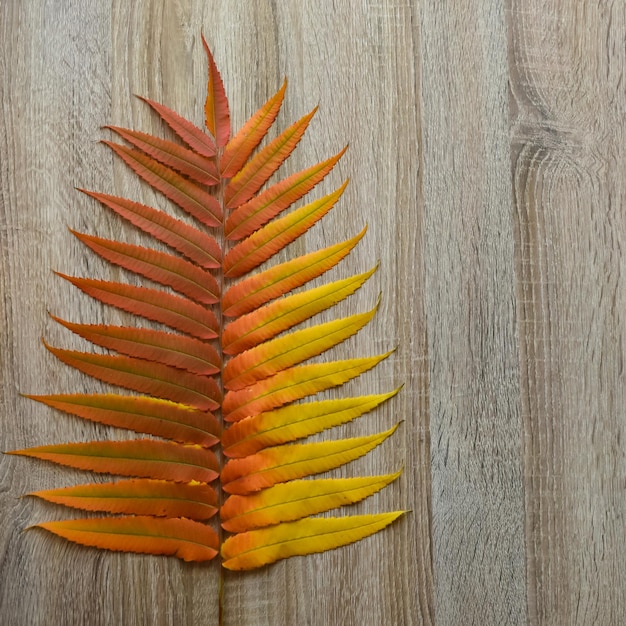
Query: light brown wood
pixel 486 156
pixel 568 160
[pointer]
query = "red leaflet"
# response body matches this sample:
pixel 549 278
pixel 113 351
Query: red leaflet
pixel 193 136
pixel 185 161
pixel 155 379
pixel 173 311
pixel 152 345
pixel 196 245
pixel 166 269
pixel 186 194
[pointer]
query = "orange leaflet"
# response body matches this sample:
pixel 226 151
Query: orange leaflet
pixel 145 458
pixel 263 164
pixel 240 147
pixel 173 311
pixel 216 109
pixel 183 538
pixel 139 496
pixel 151 416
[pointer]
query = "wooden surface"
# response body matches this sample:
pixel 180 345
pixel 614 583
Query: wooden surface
pixel 487 156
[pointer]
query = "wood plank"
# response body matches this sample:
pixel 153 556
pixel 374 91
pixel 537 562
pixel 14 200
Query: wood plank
pixel 477 487
pixel 568 161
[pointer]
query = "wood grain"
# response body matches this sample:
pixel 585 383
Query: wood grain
pixel 477 488
pixel 567 160
pixel 486 156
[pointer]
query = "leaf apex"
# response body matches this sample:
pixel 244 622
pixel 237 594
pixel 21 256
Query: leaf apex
pixel 62 275
pixel 393 429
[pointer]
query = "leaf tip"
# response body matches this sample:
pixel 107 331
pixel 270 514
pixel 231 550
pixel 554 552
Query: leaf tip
pixel 61 275
pixel 393 429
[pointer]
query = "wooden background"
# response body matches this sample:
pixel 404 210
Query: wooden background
pixel 487 156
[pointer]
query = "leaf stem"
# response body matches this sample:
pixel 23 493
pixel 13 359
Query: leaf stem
pixel 221 238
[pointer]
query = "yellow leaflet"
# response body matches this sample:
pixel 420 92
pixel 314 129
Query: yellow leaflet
pixel 259 547
pixel 294 422
pixel 254 291
pixel 259 210
pixel 297 499
pixel 283 463
pixel 249 330
pixel 293 384
pixel 278 354
pixel 277 235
